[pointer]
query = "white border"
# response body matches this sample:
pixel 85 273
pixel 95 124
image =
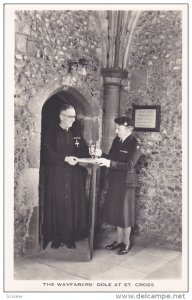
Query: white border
pixel 9 137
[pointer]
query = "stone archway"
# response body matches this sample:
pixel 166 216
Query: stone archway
pixel 88 112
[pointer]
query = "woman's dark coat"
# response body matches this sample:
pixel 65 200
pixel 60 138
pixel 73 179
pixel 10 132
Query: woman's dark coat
pixel 119 207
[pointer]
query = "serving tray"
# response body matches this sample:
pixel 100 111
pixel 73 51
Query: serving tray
pixel 88 160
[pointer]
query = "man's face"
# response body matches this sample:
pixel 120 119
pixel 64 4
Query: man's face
pixel 122 131
pixel 68 117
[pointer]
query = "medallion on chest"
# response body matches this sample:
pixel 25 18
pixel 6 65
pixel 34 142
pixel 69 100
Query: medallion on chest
pixel 77 141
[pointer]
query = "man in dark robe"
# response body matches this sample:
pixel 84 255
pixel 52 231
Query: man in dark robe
pixel 65 207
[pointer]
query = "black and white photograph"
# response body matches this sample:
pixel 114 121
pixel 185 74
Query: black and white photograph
pixel 96 157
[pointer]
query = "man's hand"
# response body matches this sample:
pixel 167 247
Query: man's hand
pixel 104 162
pixel 72 160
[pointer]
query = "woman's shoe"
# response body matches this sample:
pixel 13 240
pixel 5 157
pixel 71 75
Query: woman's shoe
pixel 113 246
pixel 125 249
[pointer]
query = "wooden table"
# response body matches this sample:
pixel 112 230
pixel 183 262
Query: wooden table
pixel 91 164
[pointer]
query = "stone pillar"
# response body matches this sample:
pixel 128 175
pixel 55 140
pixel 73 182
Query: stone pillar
pixel 111 98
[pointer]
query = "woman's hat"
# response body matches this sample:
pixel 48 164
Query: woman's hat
pixel 124 121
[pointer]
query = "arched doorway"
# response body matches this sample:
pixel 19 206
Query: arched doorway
pixel 90 118
pixel 50 119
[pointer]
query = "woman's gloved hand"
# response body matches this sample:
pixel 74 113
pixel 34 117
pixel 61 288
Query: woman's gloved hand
pixel 104 162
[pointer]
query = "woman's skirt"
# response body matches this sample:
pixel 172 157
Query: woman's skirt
pixel 119 207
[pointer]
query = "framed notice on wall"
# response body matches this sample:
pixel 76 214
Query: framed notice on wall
pixel 146 117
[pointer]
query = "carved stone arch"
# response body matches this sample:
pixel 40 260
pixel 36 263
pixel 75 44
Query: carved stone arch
pixel 82 102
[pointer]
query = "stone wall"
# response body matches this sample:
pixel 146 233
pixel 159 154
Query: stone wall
pixel 154 68
pixel 45 41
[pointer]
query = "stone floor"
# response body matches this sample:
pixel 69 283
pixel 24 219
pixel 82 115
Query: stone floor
pixel 148 259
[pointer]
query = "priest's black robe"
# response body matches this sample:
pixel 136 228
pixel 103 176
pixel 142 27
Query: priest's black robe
pixel 65 205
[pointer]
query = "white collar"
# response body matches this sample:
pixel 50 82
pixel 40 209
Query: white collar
pixel 122 140
pixel 64 128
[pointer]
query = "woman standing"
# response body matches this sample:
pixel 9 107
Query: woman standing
pixel 119 207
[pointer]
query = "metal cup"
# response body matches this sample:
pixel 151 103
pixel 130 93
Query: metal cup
pixel 92 149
